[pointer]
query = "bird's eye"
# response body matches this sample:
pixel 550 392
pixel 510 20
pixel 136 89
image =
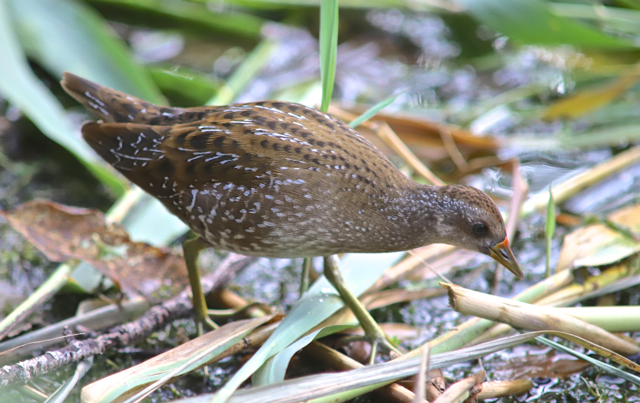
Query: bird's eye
pixel 480 229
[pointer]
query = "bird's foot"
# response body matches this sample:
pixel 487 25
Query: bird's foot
pixel 191 249
pixel 374 334
pixel 378 340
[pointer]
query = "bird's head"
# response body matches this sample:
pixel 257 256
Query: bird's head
pixel 471 220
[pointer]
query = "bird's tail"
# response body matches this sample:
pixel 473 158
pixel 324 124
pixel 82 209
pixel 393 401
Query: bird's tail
pixel 115 106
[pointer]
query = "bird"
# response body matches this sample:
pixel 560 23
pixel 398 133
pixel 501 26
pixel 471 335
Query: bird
pixel 282 180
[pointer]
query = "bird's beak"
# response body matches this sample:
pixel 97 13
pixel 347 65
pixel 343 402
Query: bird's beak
pixel 502 254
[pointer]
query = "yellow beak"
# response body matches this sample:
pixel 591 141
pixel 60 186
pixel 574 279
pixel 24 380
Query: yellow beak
pixel 502 254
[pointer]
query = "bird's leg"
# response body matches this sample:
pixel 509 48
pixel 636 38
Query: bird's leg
pixel 306 271
pixel 371 329
pixel 191 249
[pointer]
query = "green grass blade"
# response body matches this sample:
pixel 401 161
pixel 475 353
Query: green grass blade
pixel 162 368
pixel 24 90
pixel 183 86
pixel 609 368
pixel 328 49
pixel 67 35
pixel 274 370
pixel 181 15
pixel 371 112
pixel 246 72
pixel 533 22
pixel 550 228
pixel 336 387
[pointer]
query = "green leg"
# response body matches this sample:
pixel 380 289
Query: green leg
pixel 371 328
pixel 191 249
pixel 306 270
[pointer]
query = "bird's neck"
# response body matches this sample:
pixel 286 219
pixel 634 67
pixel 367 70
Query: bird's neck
pixel 414 216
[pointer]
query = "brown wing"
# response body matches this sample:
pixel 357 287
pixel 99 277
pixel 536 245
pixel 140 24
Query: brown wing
pixel 164 160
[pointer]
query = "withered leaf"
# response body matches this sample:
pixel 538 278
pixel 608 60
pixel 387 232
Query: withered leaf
pixel 598 244
pixel 63 233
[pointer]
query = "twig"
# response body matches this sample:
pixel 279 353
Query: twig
pixel 119 336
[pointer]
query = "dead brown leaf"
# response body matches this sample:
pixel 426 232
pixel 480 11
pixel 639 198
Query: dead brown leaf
pixel 425 138
pixel 598 244
pixel 63 233
pixel 528 363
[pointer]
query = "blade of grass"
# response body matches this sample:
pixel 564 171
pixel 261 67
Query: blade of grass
pixel 226 337
pixel 161 368
pixel 602 365
pixel 550 228
pixel 63 35
pixel 532 21
pixel 371 112
pixel 182 15
pixel 247 71
pixel 328 49
pixel 336 387
pixel 24 90
pixel 275 368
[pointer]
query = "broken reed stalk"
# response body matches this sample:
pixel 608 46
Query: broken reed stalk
pixel 532 317
pixel 467 331
pixel 568 295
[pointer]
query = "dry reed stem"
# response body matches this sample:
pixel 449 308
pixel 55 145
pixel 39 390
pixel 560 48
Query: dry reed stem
pixel 532 317
pixel 575 291
pixel 385 132
pixel 583 180
pixel 563 297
